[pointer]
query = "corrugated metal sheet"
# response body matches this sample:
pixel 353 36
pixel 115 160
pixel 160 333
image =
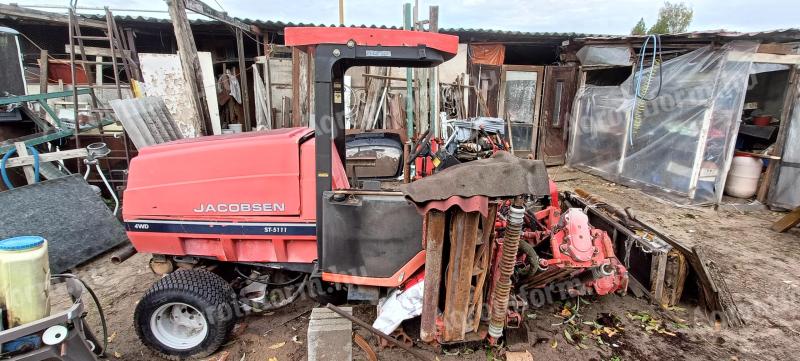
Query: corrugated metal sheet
pixel 279 25
pixel 780 35
pixel 146 120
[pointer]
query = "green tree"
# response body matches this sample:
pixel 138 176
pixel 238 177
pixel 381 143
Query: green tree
pixel 672 18
pixel 640 28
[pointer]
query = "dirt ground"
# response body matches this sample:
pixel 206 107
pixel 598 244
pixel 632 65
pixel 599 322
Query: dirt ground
pixel 760 268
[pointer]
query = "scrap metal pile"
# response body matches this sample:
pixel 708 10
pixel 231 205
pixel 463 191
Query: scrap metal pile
pixel 518 241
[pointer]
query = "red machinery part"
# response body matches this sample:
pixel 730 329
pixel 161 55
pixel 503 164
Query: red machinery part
pixel 302 36
pixel 575 244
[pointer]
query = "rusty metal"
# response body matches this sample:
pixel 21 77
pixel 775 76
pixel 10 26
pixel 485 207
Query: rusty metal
pixel 378 333
pixel 364 345
pixel 123 254
pixel 502 289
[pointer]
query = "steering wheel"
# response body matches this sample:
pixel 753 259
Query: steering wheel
pixel 423 147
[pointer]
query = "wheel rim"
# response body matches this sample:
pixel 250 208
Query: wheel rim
pixel 179 326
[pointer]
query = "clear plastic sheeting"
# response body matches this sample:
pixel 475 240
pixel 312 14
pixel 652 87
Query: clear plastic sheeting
pixel 678 136
pixel 786 191
pixel 605 55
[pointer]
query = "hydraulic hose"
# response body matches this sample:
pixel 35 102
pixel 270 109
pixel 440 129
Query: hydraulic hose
pixel 533 257
pixel 11 152
pixel 640 89
pixel 502 289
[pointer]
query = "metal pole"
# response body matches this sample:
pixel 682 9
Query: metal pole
pixel 341 12
pixel 409 79
pixel 74 83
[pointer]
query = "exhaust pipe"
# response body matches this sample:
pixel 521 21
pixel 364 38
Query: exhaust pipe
pixel 123 254
pixel 516 216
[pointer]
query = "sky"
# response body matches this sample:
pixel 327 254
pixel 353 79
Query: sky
pixel 580 16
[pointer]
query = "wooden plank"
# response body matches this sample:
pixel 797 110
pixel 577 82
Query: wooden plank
pixel 463 238
pixel 775 48
pixel 434 243
pixel 43 73
pixel 27 160
pixel 485 252
pixel 657 274
pixel 203 9
pixel 98 51
pixel 248 121
pixel 675 278
pixel 190 63
pixel 22 151
pixel 787 222
pixel 791 59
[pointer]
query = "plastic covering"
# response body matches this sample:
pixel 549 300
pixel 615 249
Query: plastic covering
pixel 679 138
pixel 399 306
pixel 605 55
pixel 786 192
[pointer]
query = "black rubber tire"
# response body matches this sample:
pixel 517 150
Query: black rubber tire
pixel 203 290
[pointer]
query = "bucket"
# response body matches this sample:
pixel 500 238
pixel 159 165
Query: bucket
pixel 762 121
pixel 742 181
pixel 24 280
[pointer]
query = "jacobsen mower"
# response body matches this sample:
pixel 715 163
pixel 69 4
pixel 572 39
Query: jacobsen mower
pixel 230 219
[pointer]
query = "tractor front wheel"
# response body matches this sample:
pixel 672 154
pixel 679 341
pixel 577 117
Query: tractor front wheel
pixel 187 314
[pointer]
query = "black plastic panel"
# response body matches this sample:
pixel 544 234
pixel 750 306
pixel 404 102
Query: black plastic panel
pixel 369 235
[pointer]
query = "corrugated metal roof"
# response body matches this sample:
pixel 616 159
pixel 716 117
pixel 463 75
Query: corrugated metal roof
pixel 277 25
pixel 783 35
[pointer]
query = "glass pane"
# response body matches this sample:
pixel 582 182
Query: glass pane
pixel 557 106
pixel 522 136
pixel 519 95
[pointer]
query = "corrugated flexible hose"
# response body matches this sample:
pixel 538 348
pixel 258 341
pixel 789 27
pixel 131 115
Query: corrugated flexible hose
pixel 502 289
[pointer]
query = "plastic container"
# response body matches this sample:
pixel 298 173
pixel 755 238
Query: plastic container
pixel 236 128
pixel 762 121
pixel 743 177
pixel 24 280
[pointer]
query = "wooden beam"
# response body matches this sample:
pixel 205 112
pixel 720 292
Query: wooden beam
pixel 787 222
pixel 775 48
pixel 792 59
pixel 458 280
pixel 433 77
pixel 22 151
pixel 27 160
pixel 434 245
pixel 98 51
pixel 203 9
pixel 248 124
pixel 43 71
pixel 27 13
pixel 192 73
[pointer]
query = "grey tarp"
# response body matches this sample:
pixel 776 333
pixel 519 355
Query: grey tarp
pixel 502 175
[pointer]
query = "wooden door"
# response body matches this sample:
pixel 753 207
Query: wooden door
pixel 559 92
pixel 520 96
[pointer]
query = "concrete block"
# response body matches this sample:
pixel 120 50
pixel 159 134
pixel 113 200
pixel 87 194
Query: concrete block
pixel 330 336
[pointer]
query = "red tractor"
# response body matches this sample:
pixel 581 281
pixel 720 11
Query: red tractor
pixel 273 207
pixel 251 221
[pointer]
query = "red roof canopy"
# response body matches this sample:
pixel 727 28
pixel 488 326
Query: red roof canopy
pixel 298 36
